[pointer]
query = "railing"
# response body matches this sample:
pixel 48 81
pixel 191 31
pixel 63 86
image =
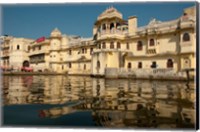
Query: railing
pixel 5 54
pixel 151 51
pixel 37 61
pixel 112 32
pixel 35 52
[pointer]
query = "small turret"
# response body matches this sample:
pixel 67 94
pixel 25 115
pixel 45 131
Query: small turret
pixel 56 33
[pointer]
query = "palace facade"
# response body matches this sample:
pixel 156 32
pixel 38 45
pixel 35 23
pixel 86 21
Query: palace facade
pixel 118 48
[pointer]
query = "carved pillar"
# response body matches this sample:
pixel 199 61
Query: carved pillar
pixel 115 27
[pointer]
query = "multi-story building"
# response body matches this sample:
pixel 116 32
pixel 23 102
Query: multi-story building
pixel 118 48
pixel 123 47
pixel 14 52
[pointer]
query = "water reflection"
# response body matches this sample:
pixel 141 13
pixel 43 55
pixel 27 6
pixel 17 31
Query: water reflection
pixel 112 102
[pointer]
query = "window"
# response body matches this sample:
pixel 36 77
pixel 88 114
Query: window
pixel 98 64
pixel 139 64
pixel 70 65
pixel 18 47
pixel 91 50
pixel 29 48
pixel 70 52
pixel 104 27
pixel 85 50
pixel 139 45
pixel 112 45
pixel 62 67
pixel 127 46
pixel 129 65
pixel 169 63
pixel 33 48
pixel 84 67
pixel 153 65
pixel 111 26
pixel 39 48
pixel 103 45
pixel 82 50
pixel 118 45
pixel 186 37
pixel 99 45
pixel 151 43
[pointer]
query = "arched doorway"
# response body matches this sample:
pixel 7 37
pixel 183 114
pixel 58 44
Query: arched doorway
pixel 26 63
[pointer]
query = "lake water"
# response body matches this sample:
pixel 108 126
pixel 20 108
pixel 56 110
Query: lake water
pixel 72 101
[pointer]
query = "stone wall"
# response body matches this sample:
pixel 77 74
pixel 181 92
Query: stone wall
pixel 144 73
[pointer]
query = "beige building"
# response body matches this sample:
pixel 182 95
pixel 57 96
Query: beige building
pixel 119 48
pixel 157 48
pixel 14 52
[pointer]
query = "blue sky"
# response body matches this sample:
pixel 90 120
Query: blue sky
pixel 36 20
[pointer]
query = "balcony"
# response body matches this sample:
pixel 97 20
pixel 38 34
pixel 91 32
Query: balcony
pixel 110 50
pixel 35 52
pixel 151 51
pixel 5 55
pixel 112 34
pixel 4 46
pixel 37 61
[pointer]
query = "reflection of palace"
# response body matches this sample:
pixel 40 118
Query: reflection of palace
pixel 120 103
pixel 17 91
pixel 134 50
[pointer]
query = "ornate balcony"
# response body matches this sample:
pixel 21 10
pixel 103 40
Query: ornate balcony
pixel 151 51
pixel 112 34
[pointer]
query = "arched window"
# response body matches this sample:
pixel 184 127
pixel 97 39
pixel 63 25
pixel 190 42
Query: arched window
pixel 186 37
pixel 98 64
pixel 91 50
pixel 99 46
pixel 70 65
pixel 70 52
pixel 129 65
pixel 170 63
pixel 29 48
pixel 152 42
pixel 112 45
pixel 118 45
pixel 127 46
pixel 103 45
pixel 18 47
pixel 139 64
pixel 111 26
pixel 118 26
pixel 104 26
pixel 139 45
pixel 154 65
pixel 84 67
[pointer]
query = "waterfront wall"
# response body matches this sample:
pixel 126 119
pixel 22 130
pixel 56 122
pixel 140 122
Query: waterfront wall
pixel 147 74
